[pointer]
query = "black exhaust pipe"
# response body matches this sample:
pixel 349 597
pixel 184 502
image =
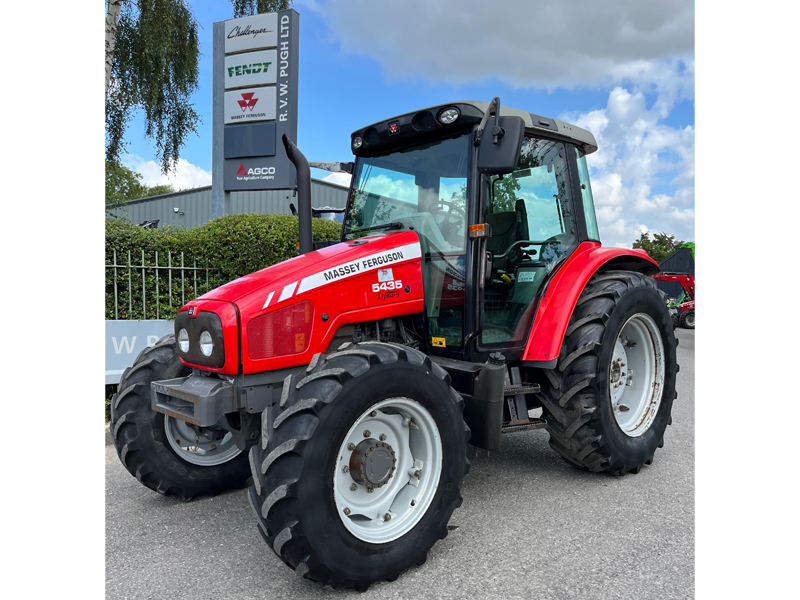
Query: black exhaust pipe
pixel 303 194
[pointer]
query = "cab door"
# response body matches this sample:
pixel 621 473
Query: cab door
pixel 533 226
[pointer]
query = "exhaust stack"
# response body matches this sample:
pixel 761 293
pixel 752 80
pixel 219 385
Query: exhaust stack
pixel 303 194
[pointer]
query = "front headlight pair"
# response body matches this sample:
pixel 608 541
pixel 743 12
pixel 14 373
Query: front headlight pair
pixel 206 343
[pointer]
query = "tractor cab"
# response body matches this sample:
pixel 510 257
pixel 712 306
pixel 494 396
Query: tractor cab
pixel 496 208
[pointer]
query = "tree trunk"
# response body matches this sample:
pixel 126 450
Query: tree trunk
pixel 112 19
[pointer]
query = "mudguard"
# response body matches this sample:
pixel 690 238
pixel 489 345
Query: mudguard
pixel 563 290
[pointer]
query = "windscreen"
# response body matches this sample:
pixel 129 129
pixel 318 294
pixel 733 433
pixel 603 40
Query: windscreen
pixel 421 188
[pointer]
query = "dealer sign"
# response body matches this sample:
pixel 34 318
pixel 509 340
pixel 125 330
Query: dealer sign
pixel 251 33
pixel 250 105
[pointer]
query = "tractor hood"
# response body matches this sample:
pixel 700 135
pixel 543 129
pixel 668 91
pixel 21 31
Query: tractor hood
pixel 294 278
pixel 303 301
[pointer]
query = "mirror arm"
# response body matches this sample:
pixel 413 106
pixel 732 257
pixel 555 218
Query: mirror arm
pixel 497 131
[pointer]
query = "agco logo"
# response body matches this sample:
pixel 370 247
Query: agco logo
pixel 252 171
pixel 248 101
pixel 252 69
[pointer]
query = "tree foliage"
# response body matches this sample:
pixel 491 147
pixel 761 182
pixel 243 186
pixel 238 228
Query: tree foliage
pixel 155 70
pixel 659 247
pixel 124 184
pixel 245 8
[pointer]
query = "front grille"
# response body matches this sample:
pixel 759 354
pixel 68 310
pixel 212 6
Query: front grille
pixel 204 321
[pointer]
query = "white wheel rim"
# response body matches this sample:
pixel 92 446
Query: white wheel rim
pixel 636 375
pixel 197 449
pixel 413 437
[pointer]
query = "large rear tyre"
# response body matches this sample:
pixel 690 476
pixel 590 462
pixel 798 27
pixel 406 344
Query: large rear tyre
pixel 360 465
pixel 609 400
pixel 165 454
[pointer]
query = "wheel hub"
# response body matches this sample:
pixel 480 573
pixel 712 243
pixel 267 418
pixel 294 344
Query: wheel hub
pixel 372 463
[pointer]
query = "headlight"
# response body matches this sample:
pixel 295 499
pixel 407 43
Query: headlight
pixel 206 343
pixel 357 141
pixel 183 340
pixel 448 116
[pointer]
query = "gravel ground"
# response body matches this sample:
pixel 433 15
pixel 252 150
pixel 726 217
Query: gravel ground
pixel 531 526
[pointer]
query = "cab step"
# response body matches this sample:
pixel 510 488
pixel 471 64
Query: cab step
pixel 531 423
pixel 525 388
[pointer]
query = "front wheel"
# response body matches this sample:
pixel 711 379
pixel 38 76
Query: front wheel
pixel 360 465
pixel 609 400
pixel 165 454
pixel 687 320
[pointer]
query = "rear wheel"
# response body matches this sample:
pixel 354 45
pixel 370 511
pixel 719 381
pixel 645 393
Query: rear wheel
pixel 609 400
pixel 168 455
pixel 360 465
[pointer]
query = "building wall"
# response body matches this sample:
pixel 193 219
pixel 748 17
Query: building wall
pixel 680 261
pixel 195 204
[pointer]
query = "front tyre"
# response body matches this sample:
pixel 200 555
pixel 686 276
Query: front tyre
pixel 609 400
pixel 165 454
pixel 360 465
pixel 687 319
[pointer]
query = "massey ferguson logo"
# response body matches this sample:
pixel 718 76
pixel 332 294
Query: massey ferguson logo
pixel 255 173
pixel 248 101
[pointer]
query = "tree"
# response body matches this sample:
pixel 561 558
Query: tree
pixel 244 8
pixel 124 184
pixel 660 247
pixel 152 52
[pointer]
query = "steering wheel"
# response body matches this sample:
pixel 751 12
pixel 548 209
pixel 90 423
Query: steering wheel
pixel 452 226
pixel 514 249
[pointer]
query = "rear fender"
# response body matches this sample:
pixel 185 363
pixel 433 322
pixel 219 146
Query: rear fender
pixel 563 290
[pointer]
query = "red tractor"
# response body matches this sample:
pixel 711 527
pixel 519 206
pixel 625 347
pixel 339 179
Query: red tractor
pixel 684 305
pixel 469 288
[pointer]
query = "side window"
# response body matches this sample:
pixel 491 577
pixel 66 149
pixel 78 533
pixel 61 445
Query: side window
pixel 586 194
pixel 533 228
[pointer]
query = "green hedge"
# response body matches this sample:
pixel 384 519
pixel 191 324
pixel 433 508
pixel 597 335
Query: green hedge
pixel 224 249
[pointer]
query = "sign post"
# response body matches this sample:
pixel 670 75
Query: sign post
pixel 255 62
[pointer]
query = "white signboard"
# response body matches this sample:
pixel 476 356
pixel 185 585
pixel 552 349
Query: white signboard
pixel 251 33
pixel 250 105
pixel 251 68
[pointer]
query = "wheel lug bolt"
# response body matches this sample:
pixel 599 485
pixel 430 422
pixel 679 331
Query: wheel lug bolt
pixel 370 490
pixel 351 446
pixel 382 437
pixel 345 469
pixel 347 511
pixel 417 474
pixel 367 433
pixel 373 414
pixel 353 487
pixel 387 517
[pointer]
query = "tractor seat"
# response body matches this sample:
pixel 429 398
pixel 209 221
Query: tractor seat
pixel 507 228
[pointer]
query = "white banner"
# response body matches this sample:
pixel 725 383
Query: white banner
pixel 253 104
pixel 251 68
pixel 251 33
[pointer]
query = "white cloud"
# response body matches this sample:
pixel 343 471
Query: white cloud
pixel 339 178
pixel 637 153
pixel 185 176
pixel 547 43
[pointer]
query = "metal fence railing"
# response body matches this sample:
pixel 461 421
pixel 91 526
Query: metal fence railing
pixel 154 285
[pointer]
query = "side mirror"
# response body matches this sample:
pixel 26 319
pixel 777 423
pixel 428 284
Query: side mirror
pixel 498 153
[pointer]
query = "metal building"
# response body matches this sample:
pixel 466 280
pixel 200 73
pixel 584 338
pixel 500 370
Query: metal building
pixel 680 261
pixel 191 208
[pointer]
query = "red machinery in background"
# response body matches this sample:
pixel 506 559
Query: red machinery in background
pixel 685 304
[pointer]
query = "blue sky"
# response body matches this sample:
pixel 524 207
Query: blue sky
pixel 625 73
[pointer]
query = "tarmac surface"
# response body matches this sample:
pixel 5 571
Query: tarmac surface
pixel 531 526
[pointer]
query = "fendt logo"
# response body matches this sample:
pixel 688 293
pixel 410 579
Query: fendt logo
pixel 251 69
pixel 255 173
pixel 248 101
